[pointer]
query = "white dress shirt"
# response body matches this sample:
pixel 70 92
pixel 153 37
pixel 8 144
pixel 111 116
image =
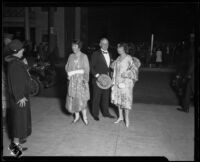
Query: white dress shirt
pixel 106 56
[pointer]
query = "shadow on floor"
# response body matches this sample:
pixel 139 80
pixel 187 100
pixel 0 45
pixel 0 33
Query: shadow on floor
pixel 8 124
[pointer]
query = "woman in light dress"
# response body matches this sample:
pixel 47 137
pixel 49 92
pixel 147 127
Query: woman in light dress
pixel 78 94
pixel 125 75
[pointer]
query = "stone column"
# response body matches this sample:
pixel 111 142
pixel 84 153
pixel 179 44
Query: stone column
pixel 51 29
pixel 77 23
pixel 27 25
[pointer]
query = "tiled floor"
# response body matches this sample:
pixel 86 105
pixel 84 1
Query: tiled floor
pixel 155 130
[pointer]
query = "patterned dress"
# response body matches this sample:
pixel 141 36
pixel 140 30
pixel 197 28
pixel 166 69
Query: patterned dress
pixel 122 90
pixel 78 89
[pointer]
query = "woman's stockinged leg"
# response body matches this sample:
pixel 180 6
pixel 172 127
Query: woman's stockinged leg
pixel 127 117
pixel 84 112
pixel 16 141
pixel 120 115
pixel 77 116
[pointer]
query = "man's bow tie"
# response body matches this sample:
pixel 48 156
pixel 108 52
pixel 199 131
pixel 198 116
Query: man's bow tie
pixel 104 52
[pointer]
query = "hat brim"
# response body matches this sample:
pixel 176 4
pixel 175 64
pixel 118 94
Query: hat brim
pixel 16 50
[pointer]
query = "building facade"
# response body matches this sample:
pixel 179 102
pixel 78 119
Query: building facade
pixel 33 23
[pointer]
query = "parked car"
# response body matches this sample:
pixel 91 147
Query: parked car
pixel 43 75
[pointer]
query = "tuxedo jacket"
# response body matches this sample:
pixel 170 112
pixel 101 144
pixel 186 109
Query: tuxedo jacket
pixel 98 64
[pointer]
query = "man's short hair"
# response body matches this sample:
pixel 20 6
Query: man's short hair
pixel 104 39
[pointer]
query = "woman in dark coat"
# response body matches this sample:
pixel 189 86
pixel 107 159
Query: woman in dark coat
pixel 18 89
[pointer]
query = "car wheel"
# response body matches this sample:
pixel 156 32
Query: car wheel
pixel 35 87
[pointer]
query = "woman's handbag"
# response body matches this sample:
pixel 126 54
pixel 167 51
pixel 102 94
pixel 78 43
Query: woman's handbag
pixel 121 85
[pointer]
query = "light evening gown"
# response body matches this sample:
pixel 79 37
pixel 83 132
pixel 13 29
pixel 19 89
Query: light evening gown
pixel 78 89
pixel 122 89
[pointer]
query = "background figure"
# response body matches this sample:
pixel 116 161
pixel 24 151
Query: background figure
pixel 19 89
pixel 189 89
pixel 77 69
pixel 6 51
pixel 100 64
pixel 158 58
pixel 132 49
pixel 167 55
pixel 124 78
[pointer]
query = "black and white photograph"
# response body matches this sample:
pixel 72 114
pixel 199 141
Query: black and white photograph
pixel 100 80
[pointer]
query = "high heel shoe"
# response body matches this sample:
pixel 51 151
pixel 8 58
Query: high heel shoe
pixel 118 120
pixel 85 121
pixel 75 120
pixel 127 124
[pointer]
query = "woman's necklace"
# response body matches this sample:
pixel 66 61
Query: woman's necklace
pixel 77 56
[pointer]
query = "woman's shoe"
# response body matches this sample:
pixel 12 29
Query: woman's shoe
pixel 13 149
pixel 75 120
pixel 127 124
pixel 118 120
pixel 85 121
pixel 16 150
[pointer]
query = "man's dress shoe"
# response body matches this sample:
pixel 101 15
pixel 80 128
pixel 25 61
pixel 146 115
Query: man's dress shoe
pixel 96 118
pixel 109 116
pixel 183 110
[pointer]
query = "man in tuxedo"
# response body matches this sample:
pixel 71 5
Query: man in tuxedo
pixel 100 64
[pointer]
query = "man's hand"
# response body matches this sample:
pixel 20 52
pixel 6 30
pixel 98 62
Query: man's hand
pixel 22 102
pixel 25 61
pixel 97 75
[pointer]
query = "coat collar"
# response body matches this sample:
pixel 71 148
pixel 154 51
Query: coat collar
pixel 104 50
